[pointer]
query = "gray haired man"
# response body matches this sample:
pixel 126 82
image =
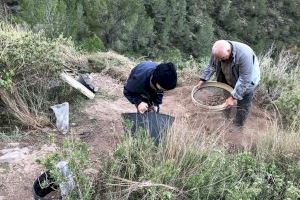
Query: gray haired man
pixel 235 64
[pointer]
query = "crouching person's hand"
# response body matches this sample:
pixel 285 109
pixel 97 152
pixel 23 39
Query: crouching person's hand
pixel 142 107
pixel 153 109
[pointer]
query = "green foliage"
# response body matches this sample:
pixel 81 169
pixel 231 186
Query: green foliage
pixel 30 64
pixel 24 52
pixel 92 44
pixel 140 38
pixel 54 17
pixel 289 106
pixel 172 55
pixel 122 24
pixel 6 78
pixel 280 86
pixel 12 136
pixel 147 171
pixel 151 27
pixel 76 154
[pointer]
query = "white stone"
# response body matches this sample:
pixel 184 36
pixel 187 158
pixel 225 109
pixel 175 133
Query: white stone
pixel 13 155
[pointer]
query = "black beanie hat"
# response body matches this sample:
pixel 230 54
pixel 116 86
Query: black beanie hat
pixel 165 75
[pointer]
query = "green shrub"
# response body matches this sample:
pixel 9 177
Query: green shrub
pixel 30 65
pixel 279 86
pixel 289 105
pixel 92 44
pixel 139 169
pixel 54 18
pixel 75 153
pixel 28 58
pixel 172 55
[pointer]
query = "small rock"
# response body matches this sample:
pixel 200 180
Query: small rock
pixel 13 155
pixel 47 148
pixel 14 144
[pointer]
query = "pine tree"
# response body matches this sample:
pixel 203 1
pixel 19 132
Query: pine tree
pixel 54 17
pixel 113 21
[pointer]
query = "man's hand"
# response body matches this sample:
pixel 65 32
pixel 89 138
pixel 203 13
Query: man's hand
pixel 142 107
pixel 230 102
pixel 200 84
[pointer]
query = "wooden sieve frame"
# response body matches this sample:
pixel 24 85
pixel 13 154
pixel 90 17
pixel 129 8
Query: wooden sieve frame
pixel 210 84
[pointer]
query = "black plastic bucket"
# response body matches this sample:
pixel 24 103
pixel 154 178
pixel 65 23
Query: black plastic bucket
pixel 40 193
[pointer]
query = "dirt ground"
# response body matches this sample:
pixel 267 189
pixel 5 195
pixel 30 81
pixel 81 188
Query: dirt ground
pixel 18 173
pixel 98 123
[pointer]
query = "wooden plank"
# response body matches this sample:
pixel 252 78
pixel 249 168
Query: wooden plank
pixel 75 84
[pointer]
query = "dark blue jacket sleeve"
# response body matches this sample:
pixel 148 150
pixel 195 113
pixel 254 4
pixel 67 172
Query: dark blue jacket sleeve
pixel 132 97
pixel 158 99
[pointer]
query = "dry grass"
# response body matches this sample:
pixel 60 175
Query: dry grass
pixel 184 136
pixel 272 142
pixel 132 186
pixel 276 142
pixel 188 76
pixel 112 64
pixel 191 149
pixel 33 62
pixel 281 68
pixel 74 60
pixel 20 110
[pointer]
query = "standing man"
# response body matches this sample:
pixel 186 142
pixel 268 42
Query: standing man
pixel 235 64
pixel 147 82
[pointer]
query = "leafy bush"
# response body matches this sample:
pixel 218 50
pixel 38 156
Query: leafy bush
pixel 172 55
pixel 280 86
pixel 29 67
pixel 141 170
pixel 92 44
pixel 75 153
pixel 289 106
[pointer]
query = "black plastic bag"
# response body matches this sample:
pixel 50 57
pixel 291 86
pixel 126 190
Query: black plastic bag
pixel 156 124
pixel 85 80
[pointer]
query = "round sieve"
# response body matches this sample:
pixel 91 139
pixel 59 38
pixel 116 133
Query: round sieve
pixel 211 95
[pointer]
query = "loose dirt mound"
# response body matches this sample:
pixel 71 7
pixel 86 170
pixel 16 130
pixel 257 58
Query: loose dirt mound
pixel 178 103
pixel 100 122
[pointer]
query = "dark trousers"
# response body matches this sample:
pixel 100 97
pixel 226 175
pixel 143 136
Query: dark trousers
pixel 242 110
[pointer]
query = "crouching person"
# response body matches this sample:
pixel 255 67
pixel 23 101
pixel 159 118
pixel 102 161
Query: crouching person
pixel 146 84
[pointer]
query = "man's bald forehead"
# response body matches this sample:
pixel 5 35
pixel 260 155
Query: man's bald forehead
pixel 220 47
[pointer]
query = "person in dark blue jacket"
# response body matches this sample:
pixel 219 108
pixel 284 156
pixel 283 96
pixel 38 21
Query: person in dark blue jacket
pixel 147 82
